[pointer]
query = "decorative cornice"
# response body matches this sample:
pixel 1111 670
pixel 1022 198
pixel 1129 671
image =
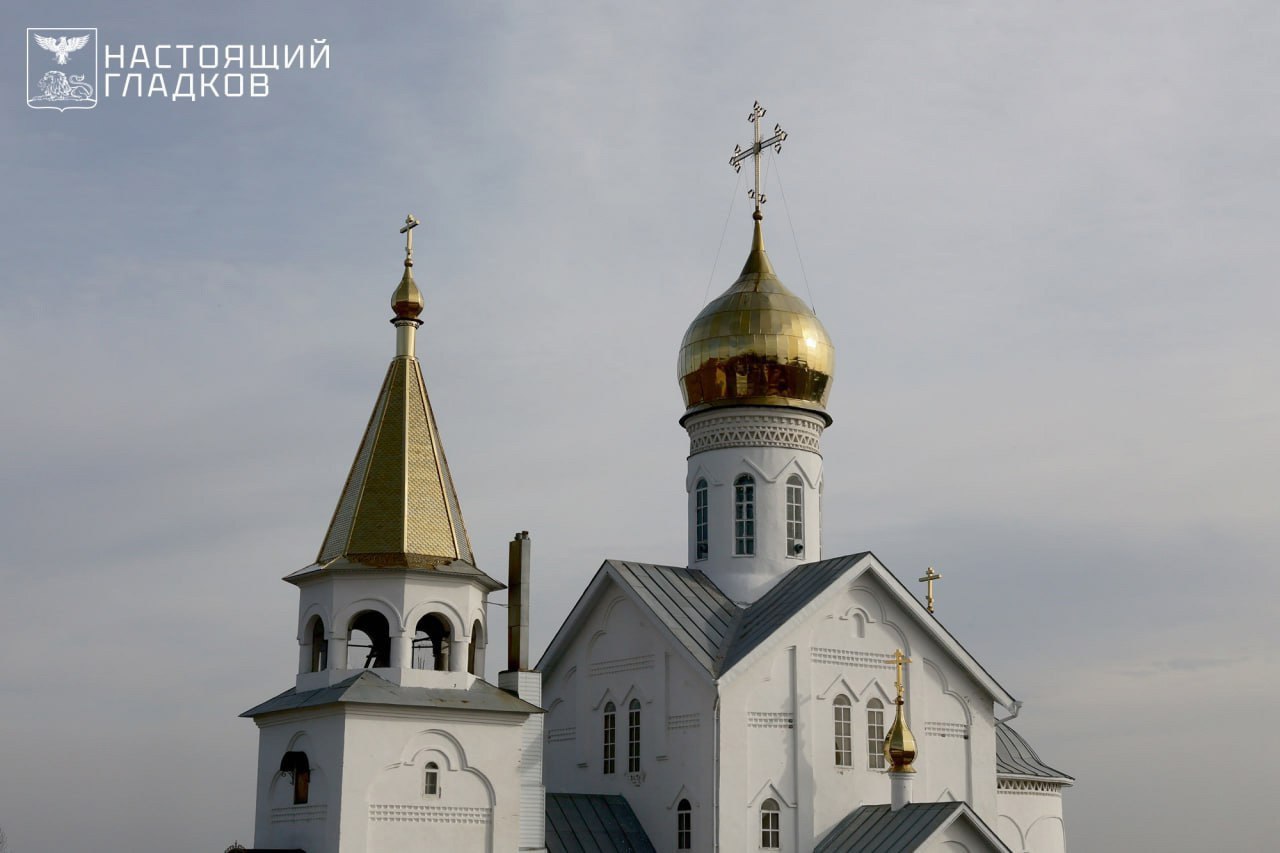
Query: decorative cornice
pixel 754 429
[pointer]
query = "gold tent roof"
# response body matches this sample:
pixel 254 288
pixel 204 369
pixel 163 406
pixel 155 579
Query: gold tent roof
pixel 757 344
pixel 399 507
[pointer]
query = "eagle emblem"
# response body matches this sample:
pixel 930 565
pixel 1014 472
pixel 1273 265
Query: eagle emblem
pixel 62 47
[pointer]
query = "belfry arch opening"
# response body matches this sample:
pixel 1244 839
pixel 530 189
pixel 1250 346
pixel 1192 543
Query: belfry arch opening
pixel 319 645
pixel 432 642
pixel 368 641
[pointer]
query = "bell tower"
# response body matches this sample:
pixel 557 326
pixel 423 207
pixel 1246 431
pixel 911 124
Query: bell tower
pixel 390 738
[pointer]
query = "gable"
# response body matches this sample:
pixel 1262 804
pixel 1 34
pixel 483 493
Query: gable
pixel 806 588
pixel 691 610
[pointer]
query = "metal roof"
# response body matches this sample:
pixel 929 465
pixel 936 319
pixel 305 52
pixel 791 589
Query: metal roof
pixel 718 634
pixel 593 823
pixel 692 608
pixel 879 829
pixel 368 688
pixel 1015 757
pixel 787 597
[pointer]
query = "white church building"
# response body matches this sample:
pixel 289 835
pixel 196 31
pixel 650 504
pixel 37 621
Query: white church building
pixel 761 697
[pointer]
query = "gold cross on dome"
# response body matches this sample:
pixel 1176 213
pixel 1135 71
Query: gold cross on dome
pixel 899 658
pixel 755 152
pixel 410 223
pixel 929 577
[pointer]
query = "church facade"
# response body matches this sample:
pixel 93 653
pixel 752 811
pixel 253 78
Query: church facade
pixel 764 696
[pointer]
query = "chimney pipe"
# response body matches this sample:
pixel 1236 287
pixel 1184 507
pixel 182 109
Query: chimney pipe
pixel 518 564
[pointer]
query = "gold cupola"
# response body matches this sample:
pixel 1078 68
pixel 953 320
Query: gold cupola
pixel 757 344
pixel 899 743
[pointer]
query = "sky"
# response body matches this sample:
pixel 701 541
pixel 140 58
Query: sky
pixel 1041 235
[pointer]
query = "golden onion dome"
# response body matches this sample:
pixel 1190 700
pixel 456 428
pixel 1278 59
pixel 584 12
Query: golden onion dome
pixel 757 344
pixel 407 301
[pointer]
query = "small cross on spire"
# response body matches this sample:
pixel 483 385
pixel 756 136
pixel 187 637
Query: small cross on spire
pixel 899 658
pixel 410 223
pixel 755 152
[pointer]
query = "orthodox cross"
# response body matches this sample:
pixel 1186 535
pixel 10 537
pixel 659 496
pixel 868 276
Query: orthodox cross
pixel 754 152
pixel 929 577
pixel 410 223
pixel 899 658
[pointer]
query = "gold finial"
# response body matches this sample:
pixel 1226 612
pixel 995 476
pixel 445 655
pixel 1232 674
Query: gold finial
pixel 754 152
pixel 407 301
pixel 929 577
pixel 899 743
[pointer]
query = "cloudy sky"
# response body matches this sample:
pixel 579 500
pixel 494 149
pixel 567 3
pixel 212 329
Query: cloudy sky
pixel 1042 235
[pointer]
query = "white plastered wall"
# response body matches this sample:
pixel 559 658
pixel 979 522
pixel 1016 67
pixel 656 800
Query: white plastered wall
pixel 620 655
pixel 778 722
pixel 770 445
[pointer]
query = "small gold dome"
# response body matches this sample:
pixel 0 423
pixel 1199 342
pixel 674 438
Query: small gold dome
pixel 757 344
pixel 900 744
pixel 407 301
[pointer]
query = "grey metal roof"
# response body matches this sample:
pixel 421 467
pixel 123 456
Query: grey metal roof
pixel 593 823
pixel 1015 757
pixel 692 608
pixel 879 829
pixel 371 689
pixel 788 596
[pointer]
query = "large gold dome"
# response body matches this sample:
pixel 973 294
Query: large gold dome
pixel 757 344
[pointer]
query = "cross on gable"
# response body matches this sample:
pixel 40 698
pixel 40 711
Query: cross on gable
pixel 755 152
pixel 929 577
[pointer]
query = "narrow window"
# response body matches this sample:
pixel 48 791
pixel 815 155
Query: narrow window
pixel 319 647
pixel 475 653
pixel 770 825
pixel 432 642
pixel 298 768
pixel 795 516
pixel 431 783
pixel 610 737
pixel 744 515
pixel 684 826
pixel 843 713
pixel 875 734
pixel 701 548
pixel 633 736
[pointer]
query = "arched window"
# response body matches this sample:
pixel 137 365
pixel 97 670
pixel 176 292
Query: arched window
pixel 610 737
pixel 842 712
pixel 795 516
pixel 744 515
pixel 701 547
pixel 368 641
pixel 431 780
pixel 296 766
pixel 633 736
pixel 431 643
pixel 770 825
pixel 319 646
pixel 475 656
pixel 684 826
pixel 875 734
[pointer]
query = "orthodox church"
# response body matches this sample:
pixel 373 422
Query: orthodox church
pixel 762 697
